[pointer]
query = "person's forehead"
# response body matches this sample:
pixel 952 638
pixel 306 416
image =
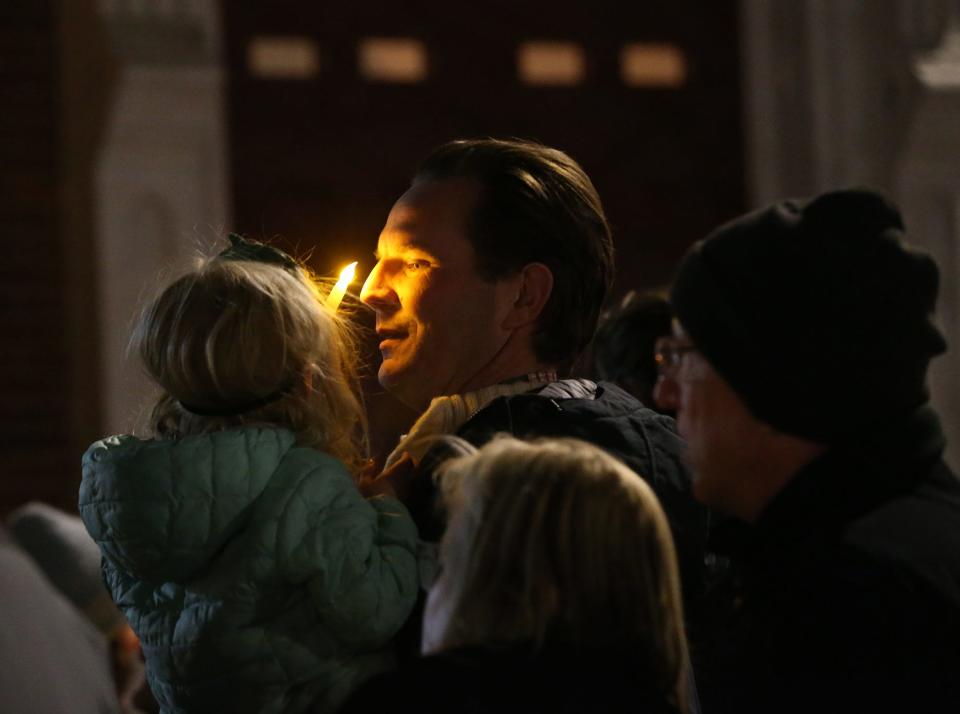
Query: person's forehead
pixel 432 215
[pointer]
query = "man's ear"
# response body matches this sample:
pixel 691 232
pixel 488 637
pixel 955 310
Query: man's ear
pixel 534 286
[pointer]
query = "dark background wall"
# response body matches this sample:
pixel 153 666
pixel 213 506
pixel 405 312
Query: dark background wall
pixel 33 425
pixel 317 162
pixel 320 161
pixel 54 83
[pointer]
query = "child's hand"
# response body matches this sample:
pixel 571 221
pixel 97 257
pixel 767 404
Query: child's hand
pixel 393 481
pixel 129 673
pixel 376 487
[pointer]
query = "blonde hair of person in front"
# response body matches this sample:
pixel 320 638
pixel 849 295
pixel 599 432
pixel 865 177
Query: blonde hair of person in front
pixel 233 332
pixel 556 539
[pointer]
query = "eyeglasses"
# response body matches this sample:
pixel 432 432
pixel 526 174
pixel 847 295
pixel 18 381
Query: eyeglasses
pixel 668 354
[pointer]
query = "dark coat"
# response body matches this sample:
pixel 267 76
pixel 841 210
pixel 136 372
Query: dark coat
pixel 848 588
pixel 478 681
pixel 616 422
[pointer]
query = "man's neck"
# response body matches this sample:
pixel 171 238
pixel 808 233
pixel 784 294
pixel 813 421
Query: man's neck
pixel 780 463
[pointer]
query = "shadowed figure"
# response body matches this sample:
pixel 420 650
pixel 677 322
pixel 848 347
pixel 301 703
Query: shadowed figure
pixel 624 346
pixel 798 372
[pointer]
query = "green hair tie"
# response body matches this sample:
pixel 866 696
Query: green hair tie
pixel 251 250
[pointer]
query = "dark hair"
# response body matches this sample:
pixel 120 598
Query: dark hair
pixel 536 205
pixel 624 345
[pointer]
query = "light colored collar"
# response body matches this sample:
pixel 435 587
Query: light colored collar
pixel 447 414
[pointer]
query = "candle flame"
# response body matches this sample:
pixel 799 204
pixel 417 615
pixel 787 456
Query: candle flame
pixel 347 275
pixel 340 289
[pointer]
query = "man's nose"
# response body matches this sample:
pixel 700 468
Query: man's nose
pixel 666 393
pixel 376 291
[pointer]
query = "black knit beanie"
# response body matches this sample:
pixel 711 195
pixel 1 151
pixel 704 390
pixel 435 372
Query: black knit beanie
pixel 815 312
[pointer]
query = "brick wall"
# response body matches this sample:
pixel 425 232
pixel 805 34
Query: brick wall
pixel 33 428
pixel 47 144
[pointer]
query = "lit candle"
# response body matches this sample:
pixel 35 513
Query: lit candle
pixel 340 289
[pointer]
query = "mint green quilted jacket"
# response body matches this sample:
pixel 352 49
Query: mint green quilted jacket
pixel 256 576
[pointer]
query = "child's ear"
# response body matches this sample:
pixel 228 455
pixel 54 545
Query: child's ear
pixel 534 284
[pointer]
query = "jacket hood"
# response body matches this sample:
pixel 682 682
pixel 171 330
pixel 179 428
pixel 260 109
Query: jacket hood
pixel 163 508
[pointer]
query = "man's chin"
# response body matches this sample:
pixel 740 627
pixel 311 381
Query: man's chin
pixel 710 493
pixel 403 386
pixel 697 487
pixel 388 377
pixel 702 488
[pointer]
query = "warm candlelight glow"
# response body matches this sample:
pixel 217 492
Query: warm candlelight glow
pixel 347 275
pixel 340 289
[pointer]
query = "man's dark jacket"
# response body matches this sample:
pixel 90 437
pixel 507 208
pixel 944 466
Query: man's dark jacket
pixel 848 592
pixel 611 419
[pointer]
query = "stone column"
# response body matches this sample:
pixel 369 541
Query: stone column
pixel 162 179
pixel 828 91
pixel 843 92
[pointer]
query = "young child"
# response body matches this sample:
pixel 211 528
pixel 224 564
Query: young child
pixel 235 540
pixel 558 592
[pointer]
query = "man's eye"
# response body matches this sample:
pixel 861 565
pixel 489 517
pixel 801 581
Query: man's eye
pixel 417 264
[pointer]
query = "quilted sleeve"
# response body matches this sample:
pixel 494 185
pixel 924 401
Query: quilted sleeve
pixel 161 510
pixel 356 556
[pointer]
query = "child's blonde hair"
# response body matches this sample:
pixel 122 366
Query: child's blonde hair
pixel 235 333
pixel 555 540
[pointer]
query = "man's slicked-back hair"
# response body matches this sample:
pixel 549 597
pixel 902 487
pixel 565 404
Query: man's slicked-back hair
pixel 536 205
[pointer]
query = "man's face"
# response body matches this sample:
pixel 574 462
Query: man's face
pixel 720 430
pixel 438 322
